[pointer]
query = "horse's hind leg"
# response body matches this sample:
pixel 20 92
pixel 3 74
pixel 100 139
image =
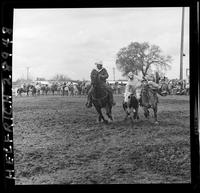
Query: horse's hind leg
pixel 109 112
pixel 155 114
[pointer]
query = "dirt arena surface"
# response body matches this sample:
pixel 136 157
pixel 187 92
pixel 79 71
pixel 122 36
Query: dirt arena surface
pixel 57 141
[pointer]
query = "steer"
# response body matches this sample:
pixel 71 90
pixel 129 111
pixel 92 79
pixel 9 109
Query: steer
pixel 130 106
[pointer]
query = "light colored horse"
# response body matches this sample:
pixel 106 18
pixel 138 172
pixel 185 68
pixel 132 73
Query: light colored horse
pixel 85 88
pixel 66 90
pixel 38 89
pixel 71 89
pixel 75 90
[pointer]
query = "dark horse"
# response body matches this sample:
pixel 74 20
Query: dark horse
pixel 26 89
pixel 100 98
pixel 149 99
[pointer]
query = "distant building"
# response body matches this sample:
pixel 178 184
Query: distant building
pixel 43 82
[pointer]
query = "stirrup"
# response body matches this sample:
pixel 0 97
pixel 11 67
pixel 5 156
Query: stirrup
pixel 113 103
pixel 88 104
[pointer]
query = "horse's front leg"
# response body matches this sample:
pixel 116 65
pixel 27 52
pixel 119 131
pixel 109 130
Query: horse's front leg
pixel 100 117
pixel 136 116
pixel 126 110
pixel 109 112
pixel 126 116
pixel 132 116
pixel 155 114
pixel 146 112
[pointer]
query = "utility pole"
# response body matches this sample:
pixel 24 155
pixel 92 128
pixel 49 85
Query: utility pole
pixel 114 73
pixel 27 70
pixel 181 51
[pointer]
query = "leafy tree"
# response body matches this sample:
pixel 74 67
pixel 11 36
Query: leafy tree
pixel 141 57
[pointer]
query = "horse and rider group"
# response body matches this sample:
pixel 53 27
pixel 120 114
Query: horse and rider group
pixel 59 88
pixel 139 92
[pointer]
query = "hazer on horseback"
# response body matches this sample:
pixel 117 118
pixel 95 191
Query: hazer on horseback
pixel 103 75
pixel 149 79
pixel 149 98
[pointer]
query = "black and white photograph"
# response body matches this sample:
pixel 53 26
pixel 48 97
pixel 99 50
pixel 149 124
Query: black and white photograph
pixel 101 95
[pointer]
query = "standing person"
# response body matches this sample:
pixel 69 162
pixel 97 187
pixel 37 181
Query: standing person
pixel 103 75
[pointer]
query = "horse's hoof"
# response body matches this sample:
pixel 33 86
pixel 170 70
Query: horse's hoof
pixel 106 121
pixel 98 121
pixel 125 118
pixel 110 120
pixel 156 123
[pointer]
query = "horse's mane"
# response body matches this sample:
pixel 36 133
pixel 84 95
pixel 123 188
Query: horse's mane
pixel 93 76
pixel 146 90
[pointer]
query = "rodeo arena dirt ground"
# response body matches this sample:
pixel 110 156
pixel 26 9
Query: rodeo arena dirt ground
pixel 58 141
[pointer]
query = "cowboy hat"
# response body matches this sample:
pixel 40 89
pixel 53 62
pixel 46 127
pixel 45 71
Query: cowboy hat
pixel 99 62
pixel 130 74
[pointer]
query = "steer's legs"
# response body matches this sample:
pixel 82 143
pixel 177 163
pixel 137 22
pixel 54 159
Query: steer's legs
pixel 155 114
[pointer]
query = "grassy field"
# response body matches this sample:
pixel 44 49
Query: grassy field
pixel 57 141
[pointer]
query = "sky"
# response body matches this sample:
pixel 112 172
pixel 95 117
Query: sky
pixel 69 41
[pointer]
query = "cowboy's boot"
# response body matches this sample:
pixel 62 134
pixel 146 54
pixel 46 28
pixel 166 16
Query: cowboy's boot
pixel 113 103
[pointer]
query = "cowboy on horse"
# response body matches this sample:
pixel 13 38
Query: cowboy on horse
pixel 103 75
pixel 148 79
